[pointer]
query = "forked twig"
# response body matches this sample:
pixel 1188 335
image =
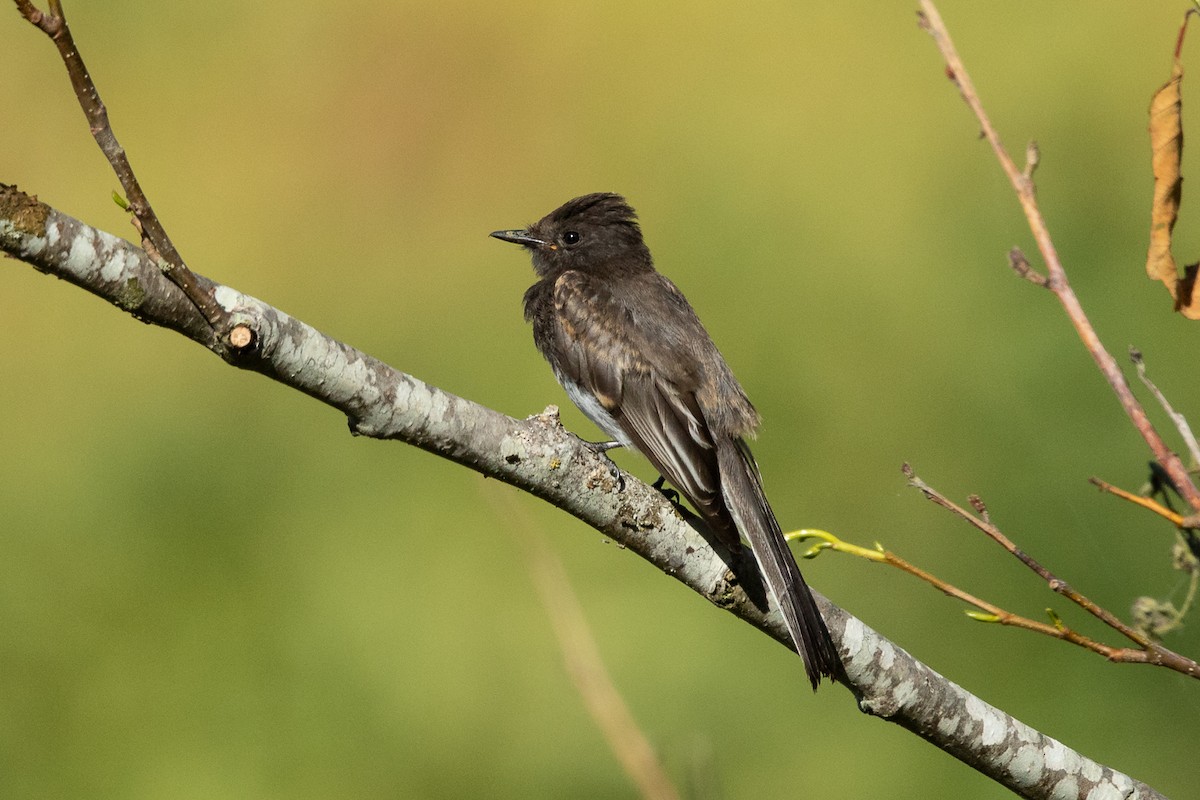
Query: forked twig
pixel 1148 651
pixel 1056 277
pixel 155 241
pixel 988 612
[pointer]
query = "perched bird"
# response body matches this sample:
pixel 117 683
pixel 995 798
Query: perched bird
pixel 632 354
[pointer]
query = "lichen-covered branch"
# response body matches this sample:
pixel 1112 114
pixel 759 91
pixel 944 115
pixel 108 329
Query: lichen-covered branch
pixel 540 457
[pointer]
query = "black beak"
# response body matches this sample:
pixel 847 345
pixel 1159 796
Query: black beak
pixel 517 237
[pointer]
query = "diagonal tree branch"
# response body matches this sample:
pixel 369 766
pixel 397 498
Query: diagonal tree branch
pixel 540 457
pixel 535 454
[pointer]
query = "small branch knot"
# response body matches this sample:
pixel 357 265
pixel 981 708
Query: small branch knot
pixel 1020 265
pixel 1032 156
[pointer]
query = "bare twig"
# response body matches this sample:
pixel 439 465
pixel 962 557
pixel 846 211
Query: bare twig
pixel 1020 265
pixel 1181 423
pixel 827 541
pixel 1155 616
pixel 155 240
pixel 1150 652
pixel 1022 183
pixel 992 613
pixel 1137 499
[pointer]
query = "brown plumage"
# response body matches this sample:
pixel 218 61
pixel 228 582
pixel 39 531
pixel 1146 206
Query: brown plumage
pixel 632 354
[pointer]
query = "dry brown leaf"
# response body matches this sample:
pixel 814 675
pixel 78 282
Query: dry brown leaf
pixel 1166 146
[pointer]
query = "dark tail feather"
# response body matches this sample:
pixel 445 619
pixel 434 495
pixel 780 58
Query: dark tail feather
pixel 741 488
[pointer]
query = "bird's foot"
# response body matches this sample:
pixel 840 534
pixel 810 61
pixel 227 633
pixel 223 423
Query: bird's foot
pixel 601 450
pixel 671 495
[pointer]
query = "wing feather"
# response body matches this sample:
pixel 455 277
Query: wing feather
pixel 601 350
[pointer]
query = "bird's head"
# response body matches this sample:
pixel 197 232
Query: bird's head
pixel 593 231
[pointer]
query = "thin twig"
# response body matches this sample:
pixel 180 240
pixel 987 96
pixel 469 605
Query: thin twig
pixel 1151 652
pixel 155 240
pixel 1193 581
pixel 1020 265
pixel 1056 629
pixel 1137 499
pixel 1181 423
pixel 995 534
pixel 1022 184
pixel 1185 556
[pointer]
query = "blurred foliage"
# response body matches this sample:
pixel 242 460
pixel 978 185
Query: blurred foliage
pixel 208 589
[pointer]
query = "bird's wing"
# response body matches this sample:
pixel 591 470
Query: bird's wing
pixel 604 347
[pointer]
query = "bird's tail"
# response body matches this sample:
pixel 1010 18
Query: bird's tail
pixel 742 491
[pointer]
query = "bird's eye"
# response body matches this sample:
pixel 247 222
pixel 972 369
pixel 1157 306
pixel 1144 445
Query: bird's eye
pixel 571 237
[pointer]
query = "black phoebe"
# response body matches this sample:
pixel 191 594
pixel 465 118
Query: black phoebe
pixel 633 355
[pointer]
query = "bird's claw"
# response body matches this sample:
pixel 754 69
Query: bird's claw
pixel 601 450
pixel 671 495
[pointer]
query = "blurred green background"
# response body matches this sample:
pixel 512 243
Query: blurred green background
pixel 209 589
